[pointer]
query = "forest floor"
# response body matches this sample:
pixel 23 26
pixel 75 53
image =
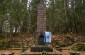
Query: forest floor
pixel 18 52
pixel 62 38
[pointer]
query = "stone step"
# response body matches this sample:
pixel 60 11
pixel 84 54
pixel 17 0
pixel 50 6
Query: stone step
pixel 40 54
pixel 41 49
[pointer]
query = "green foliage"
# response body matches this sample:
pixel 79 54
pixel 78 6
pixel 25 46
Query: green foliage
pixel 55 16
pixel 44 53
pixel 80 47
pixel 60 17
pixel 74 54
pixel 4 43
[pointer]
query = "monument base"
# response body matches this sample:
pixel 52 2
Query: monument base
pixel 41 49
pixel 38 50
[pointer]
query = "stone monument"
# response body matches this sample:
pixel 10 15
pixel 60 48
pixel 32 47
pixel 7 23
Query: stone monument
pixel 39 45
pixel 41 22
pixel 41 28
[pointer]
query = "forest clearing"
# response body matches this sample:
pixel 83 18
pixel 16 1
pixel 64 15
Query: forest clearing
pixel 42 27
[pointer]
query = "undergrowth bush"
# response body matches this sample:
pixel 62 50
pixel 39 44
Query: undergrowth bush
pixel 4 43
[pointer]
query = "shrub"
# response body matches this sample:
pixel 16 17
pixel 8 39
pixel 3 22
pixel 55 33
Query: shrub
pixel 4 43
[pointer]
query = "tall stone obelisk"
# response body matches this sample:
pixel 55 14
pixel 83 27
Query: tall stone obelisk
pixel 41 19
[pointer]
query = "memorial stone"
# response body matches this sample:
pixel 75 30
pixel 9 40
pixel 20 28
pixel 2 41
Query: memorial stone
pixel 41 22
